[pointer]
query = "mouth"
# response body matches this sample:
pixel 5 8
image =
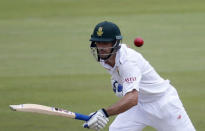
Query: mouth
pixel 103 55
pixel 102 52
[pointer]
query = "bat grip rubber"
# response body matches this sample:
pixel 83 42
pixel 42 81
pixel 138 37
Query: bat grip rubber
pixel 82 117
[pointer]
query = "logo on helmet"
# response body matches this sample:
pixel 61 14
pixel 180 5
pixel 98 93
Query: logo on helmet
pixel 100 32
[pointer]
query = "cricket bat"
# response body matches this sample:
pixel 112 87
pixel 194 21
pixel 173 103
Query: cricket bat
pixel 42 109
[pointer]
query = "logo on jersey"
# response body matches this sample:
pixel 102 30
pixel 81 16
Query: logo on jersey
pixel 100 32
pixel 130 79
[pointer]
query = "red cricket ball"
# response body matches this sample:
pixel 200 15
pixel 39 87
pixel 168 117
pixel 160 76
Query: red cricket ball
pixel 138 42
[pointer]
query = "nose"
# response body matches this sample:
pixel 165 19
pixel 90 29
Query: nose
pixel 101 50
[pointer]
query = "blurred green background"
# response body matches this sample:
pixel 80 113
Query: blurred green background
pixel 45 56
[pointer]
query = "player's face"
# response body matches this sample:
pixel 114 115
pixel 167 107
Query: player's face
pixel 104 49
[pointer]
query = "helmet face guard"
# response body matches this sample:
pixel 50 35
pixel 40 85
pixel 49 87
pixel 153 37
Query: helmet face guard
pixel 105 32
pixel 95 50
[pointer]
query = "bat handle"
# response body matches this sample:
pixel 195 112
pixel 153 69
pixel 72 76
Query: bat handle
pixel 82 117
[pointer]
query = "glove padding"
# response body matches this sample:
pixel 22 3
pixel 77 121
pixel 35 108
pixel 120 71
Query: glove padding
pixel 117 88
pixel 98 120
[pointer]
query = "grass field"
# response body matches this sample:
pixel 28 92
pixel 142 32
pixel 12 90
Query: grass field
pixel 45 56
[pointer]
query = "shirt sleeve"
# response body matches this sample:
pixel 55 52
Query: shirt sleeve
pixel 131 76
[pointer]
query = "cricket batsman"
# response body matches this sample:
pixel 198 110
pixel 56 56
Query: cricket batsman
pixel 146 98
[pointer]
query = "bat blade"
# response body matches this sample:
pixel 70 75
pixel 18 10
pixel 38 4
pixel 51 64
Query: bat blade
pixel 14 107
pixel 36 108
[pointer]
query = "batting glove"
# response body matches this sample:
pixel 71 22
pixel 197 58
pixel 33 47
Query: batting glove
pixel 117 88
pixel 97 121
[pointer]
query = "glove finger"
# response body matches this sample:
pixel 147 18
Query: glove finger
pixel 97 129
pixel 101 124
pixel 92 121
pixel 93 126
pixel 96 126
pixel 103 120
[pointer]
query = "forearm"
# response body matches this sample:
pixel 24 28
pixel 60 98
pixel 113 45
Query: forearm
pixel 128 101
